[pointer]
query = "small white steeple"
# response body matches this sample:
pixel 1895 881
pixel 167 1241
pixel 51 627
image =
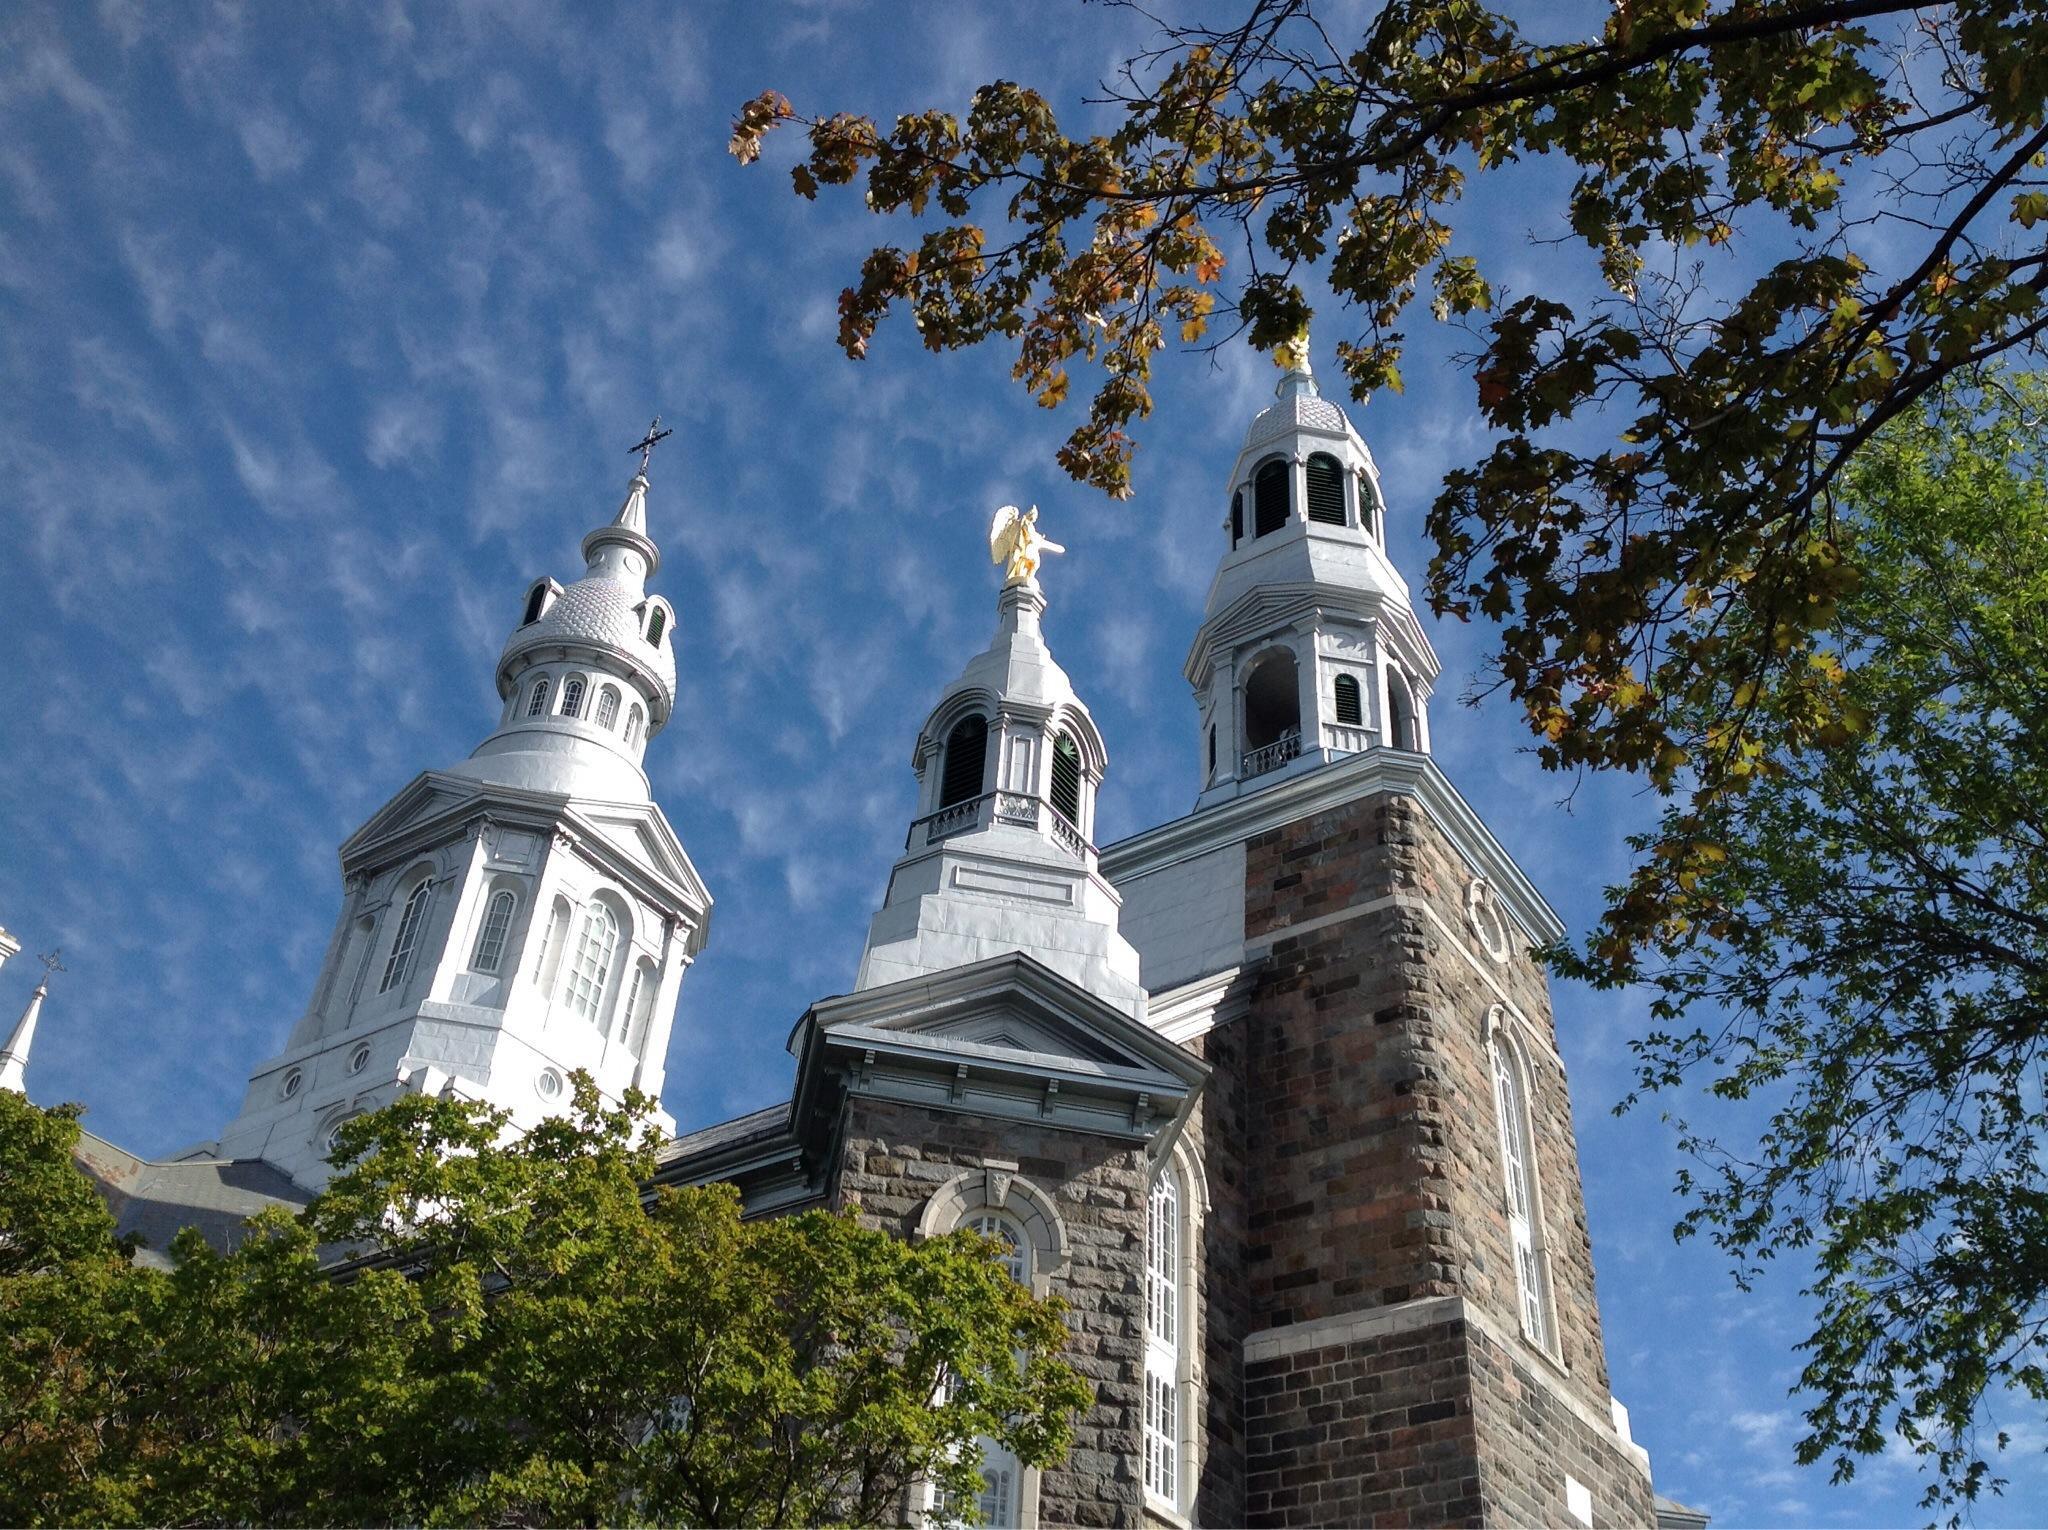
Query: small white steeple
pixel 1309 648
pixel 1000 857
pixel 14 1056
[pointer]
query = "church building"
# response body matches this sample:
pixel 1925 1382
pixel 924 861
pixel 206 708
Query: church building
pixel 1269 1093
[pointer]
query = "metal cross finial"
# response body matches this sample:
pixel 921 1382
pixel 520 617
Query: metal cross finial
pixel 646 444
pixel 51 964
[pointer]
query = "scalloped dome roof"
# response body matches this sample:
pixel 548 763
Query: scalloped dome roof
pixel 596 611
pixel 1303 411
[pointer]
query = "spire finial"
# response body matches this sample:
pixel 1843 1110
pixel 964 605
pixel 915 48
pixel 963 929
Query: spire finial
pixel 1015 540
pixel 14 1056
pixel 1297 377
pixel 646 444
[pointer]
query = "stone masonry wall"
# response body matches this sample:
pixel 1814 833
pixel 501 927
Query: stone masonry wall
pixel 1374 1180
pixel 1216 1137
pixel 896 1156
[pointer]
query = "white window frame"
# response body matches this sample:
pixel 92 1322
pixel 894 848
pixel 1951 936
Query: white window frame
pixel 1521 1185
pixel 398 966
pixel 1170 1440
pixel 590 970
pixel 492 934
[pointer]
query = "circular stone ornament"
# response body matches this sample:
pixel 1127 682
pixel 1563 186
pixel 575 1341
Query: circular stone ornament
pixel 1484 917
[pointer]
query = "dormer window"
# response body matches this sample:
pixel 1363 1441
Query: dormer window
pixel 536 603
pixel 1325 490
pixel 657 624
pixel 966 754
pixel 1269 499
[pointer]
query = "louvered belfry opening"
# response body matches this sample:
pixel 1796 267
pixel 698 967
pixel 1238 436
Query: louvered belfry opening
pixel 1066 780
pixel 1269 499
pixel 1348 709
pixel 1325 490
pixel 966 753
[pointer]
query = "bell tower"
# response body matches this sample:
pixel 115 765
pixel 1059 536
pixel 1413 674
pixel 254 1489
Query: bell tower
pixel 519 915
pixel 1398 1307
pixel 1309 649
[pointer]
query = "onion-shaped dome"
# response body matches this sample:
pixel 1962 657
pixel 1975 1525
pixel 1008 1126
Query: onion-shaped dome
pixel 605 615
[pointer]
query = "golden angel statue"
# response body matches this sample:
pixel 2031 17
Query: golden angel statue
pixel 1014 539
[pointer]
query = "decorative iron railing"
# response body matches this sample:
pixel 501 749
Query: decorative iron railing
pixel 1271 756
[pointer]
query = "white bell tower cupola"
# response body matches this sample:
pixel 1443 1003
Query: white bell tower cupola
pixel 523 914
pixel 1000 857
pixel 1309 648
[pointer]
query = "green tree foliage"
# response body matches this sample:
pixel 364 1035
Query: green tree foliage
pixel 1858 944
pixel 1890 155
pixel 473 1328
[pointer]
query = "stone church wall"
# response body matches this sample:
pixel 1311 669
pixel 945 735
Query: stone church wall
pixel 896 1156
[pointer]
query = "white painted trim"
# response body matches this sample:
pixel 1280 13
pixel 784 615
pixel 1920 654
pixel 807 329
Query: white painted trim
pixel 1194 1009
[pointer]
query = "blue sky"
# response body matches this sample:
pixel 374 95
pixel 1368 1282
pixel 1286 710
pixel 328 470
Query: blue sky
pixel 323 333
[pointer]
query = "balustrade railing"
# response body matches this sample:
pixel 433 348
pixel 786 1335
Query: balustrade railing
pixel 1271 756
pixel 1018 809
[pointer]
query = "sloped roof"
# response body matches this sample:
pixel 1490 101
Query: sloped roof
pixel 156 1201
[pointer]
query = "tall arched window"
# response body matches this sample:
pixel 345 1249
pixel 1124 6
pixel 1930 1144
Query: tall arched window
pixel 399 963
pixel 572 698
pixel 1518 1171
pixel 1066 779
pixel 490 940
pixel 1349 709
pixel 632 1026
pixel 1269 499
pixel 633 724
pixel 966 755
pixel 1163 1338
pixel 608 706
pixel 1325 490
pixel 550 959
pixel 1001 1472
pixel 592 967
pixel 539 703
pixel 657 624
pixel 1237 518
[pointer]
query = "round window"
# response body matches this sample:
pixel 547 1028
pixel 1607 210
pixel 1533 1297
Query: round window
pixel 290 1086
pixel 359 1059
pixel 549 1084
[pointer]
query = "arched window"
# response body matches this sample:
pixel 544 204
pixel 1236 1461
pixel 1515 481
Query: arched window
pixel 632 1027
pixel 1163 1338
pixel 1325 490
pixel 551 946
pixel 539 704
pixel 592 967
pixel 1269 499
pixel 657 623
pixel 1272 713
pixel 966 755
pixel 1349 711
pixel 633 724
pixel 490 940
pixel 1371 512
pixel 1400 711
pixel 1237 518
pixel 1518 1171
pixel 1066 779
pixel 399 963
pixel 572 698
pixel 1001 1472
pixel 535 604
pixel 608 706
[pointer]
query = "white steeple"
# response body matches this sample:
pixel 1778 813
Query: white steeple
pixel 14 1056
pixel 1000 857
pixel 1309 648
pixel 525 913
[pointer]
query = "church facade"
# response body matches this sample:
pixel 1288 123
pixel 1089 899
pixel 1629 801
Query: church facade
pixel 1270 1093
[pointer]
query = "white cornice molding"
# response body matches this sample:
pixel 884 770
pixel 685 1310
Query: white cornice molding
pixel 1332 786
